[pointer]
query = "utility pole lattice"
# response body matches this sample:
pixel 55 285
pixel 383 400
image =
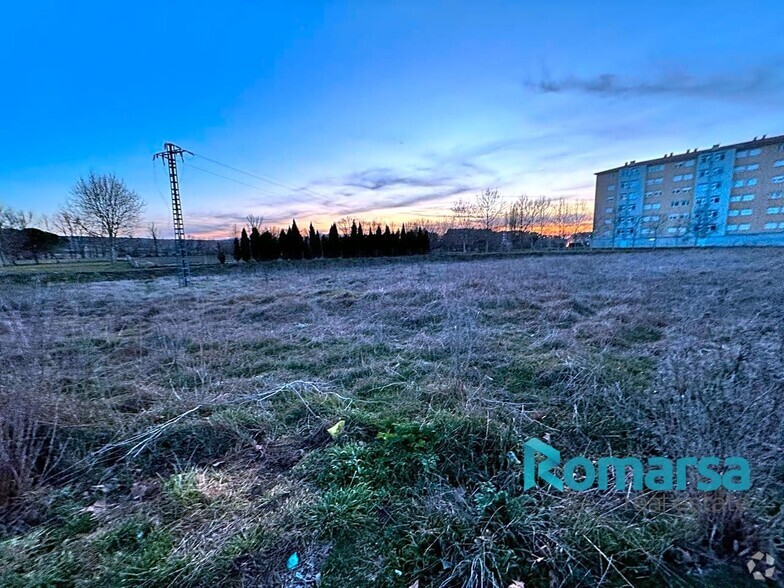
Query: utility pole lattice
pixel 169 155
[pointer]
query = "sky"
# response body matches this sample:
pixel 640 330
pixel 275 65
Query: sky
pixel 377 110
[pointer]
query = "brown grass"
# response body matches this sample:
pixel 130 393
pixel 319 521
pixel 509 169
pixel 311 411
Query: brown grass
pixel 213 394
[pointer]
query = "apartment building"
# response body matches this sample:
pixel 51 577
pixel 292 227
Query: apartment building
pixel 731 195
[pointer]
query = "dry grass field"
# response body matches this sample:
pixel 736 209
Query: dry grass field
pixel 152 436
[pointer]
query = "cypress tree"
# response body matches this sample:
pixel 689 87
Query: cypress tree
pixel 244 246
pixel 255 244
pixel 361 243
pixel 283 242
pixel 378 242
pixel 333 241
pixel 268 246
pixel 324 246
pixel 426 241
pixel 296 242
pixel 389 242
pixel 315 242
pixel 237 253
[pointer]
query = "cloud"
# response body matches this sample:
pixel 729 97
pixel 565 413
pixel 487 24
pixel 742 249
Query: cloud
pixel 384 178
pixel 758 83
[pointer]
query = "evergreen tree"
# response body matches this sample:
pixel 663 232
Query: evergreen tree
pixel 388 247
pixel 333 241
pixel 269 246
pixel 237 253
pixel 361 243
pixel 296 242
pixel 283 242
pixel 315 242
pixel 255 244
pixel 324 246
pixel 244 246
pixel 426 239
pixel 378 242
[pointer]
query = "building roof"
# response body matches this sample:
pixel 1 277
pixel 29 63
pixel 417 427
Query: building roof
pixel 761 142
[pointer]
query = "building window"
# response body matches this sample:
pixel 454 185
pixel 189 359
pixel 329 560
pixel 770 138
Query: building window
pixel 771 225
pixel 778 179
pixel 754 152
pixel 741 154
pixel 773 210
pixel 745 211
pixel 655 168
pixel 715 199
pixel 733 213
pixel 751 182
pixel 779 163
pixel 732 227
pixel 776 195
pixel 747 197
pixel 752 166
pixel 611 188
pixel 744 227
pixel 688 163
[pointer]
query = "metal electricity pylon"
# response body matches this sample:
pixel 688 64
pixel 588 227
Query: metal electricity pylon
pixel 169 156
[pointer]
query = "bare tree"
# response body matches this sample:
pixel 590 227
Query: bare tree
pixel 489 209
pixel 540 213
pixel 67 224
pixel 153 231
pixel 561 217
pixel 524 212
pixel 463 214
pixel 5 223
pixel 580 218
pixel 254 221
pixel 11 242
pixel 106 208
pixel 344 225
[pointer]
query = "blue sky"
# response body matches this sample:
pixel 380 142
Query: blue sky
pixel 373 109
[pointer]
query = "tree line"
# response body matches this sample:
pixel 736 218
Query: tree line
pixel 19 240
pixel 545 216
pixel 291 244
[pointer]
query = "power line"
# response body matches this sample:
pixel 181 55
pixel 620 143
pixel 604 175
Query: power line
pixel 265 178
pixel 216 174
